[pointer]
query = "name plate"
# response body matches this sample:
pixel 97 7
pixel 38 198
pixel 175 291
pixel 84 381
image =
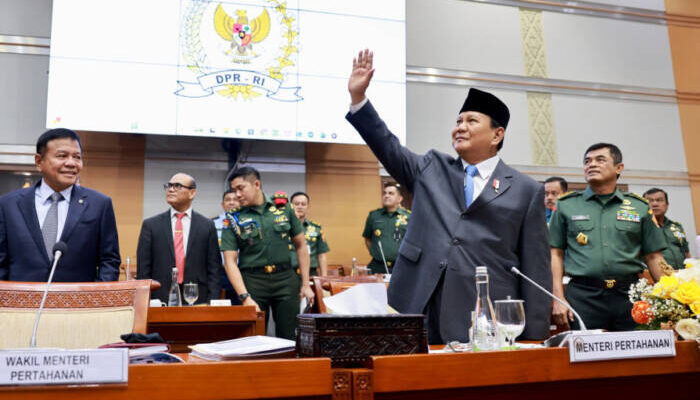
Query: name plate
pixel 60 367
pixel 220 302
pixel 591 346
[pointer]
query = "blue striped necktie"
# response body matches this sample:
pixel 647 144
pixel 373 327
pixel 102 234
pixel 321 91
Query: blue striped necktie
pixel 469 184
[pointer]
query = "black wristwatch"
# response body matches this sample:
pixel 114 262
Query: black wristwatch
pixel 243 296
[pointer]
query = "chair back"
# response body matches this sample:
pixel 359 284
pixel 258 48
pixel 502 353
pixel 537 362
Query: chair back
pixel 76 315
pixel 336 270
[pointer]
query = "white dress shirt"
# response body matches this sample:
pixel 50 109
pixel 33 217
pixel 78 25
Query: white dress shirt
pixel 356 107
pixel 485 169
pixel 186 222
pixel 42 202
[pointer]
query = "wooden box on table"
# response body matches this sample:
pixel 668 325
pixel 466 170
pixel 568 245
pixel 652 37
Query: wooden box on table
pixel 349 340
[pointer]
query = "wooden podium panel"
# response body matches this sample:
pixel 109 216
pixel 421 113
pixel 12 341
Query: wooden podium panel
pixel 267 379
pixel 535 373
pixel 184 326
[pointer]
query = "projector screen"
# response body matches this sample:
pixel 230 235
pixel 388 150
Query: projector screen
pixel 255 69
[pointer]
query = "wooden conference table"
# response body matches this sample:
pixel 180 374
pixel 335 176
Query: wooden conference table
pixel 522 374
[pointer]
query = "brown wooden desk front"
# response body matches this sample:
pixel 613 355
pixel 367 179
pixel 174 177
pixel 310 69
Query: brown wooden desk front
pixel 524 374
pixel 184 326
pixel 535 374
pixel 266 379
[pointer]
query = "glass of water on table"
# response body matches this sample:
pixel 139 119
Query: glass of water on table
pixel 190 292
pixel 510 319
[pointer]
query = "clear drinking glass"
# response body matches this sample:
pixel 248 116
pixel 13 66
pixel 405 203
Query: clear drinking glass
pixel 191 292
pixel 510 319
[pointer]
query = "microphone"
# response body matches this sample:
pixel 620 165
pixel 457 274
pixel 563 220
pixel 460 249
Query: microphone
pixel 58 250
pixel 578 317
pixel 381 250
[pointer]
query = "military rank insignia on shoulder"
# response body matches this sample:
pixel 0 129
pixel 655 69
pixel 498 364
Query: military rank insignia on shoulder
pixel 569 195
pixel 636 196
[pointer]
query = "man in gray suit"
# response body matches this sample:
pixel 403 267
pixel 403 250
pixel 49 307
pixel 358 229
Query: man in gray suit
pixel 467 211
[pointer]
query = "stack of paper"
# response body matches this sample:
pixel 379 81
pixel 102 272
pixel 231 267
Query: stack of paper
pixel 246 346
pixel 361 299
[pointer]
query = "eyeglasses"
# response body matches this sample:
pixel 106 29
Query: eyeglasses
pixel 176 186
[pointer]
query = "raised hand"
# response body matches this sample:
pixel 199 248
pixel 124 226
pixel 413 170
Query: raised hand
pixel 362 71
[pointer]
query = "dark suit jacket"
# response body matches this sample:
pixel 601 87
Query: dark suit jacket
pixel 90 232
pixel 501 228
pixel 156 256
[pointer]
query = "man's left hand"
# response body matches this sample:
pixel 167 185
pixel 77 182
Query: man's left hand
pixel 307 293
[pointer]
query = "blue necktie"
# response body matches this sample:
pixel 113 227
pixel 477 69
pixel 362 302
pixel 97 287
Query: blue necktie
pixel 469 184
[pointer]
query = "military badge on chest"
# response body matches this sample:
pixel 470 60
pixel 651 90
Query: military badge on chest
pixel 311 234
pixel 628 215
pixel 677 233
pixel 401 222
pixel 582 239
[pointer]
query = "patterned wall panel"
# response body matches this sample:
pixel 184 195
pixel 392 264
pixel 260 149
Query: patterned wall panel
pixel 539 105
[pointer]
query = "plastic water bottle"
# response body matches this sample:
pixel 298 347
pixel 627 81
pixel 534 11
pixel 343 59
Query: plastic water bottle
pixel 483 318
pixel 174 299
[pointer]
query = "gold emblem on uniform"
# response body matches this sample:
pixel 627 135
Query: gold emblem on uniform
pixel 610 283
pixel 270 269
pixel 582 239
pixel 377 233
pixel 626 202
pixel 628 208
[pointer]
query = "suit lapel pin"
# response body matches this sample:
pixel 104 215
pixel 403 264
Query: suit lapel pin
pixel 496 185
pixel 80 201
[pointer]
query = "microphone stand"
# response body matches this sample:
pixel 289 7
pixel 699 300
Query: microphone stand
pixel 58 252
pixel 381 250
pixel 563 335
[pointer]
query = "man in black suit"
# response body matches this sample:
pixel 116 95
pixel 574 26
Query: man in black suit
pixel 180 238
pixel 33 219
pixel 468 211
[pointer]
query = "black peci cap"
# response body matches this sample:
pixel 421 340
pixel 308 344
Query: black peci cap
pixel 486 103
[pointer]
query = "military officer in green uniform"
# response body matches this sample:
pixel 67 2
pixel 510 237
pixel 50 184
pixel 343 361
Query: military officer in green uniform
pixel 385 228
pixel 677 249
pixel 256 253
pixel 596 237
pixel 313 234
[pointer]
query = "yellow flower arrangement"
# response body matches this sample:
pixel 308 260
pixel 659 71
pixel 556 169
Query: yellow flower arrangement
pixel 687 293
pixel 672 299
pixel 665 287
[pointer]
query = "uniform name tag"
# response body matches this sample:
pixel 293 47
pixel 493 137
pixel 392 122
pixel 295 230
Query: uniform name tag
pixel 580 217
pixel 42 367
pixel 588 346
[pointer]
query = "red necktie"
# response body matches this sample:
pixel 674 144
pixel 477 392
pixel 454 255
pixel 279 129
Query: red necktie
pixel 179 248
